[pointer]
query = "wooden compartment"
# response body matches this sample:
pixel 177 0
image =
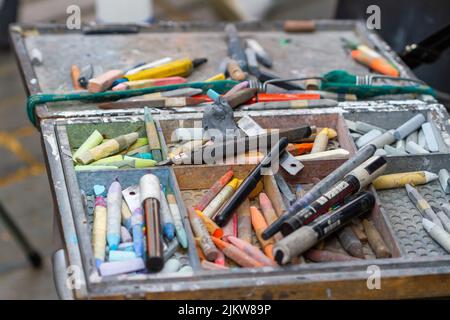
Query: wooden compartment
pixel 344 279
pixel 268 120
pixel 73 133
pixel 195 180
pixel 391 117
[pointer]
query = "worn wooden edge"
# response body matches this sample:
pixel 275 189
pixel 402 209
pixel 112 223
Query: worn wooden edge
pixel 394 284
pixel 63 211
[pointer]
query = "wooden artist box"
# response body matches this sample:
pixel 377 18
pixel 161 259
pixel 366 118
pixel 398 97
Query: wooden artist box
pixel 418 267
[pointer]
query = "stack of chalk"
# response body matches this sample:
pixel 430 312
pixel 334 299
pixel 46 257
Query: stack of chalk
pixel 121 152
pixel 138 229
pixel 319 146
pixel 161 72
pixel 416 136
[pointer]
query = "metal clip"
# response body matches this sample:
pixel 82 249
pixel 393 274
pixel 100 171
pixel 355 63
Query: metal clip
pixel 369 79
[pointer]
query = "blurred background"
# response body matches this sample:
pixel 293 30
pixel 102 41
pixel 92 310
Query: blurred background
pixel 24 187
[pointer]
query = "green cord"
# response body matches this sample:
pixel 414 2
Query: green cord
pixel 220 86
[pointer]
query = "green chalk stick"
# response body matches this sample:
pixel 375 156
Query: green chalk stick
pixel 141 163
pixel 107 160
pixel 92 141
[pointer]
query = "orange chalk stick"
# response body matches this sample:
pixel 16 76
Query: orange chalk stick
pixel 380 64
pixel 259 225
pixel 235 254
pixel 297 149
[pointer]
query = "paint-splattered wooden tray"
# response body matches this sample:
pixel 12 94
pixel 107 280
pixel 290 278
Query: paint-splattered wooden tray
pixel 402 277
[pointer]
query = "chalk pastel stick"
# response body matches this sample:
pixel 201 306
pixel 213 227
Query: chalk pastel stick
pixel 268 212
pixel 211 226
pixel 107 148
pixel 93 140
pixel 437 233
pixel 108 160
pixel 206 243
pixel 431 140
pixel 214 190
pixel 171 265
pixel 366 138
pixel 220 259
pixel 119 255
pixel 167 219
pixel 329 154
pixel 394 151
pixel 224 194
pixel 186 270
pixel 99 230
pixel 149 65
pixel 414 148
pixel 121 267
pixel 327 256
pixel 172 247
pixel 114 205
pixel 140 163
pixel 409 126
pixel 398 180
pixel 125 235
pixel 126 246
pixel 126 216
pixel 237 255
pixel 321 141
pixel 244 221
pixel 259 225
pixel 375 240
pixel 251 250
pixel 177 219
pixel 104 81
pixel 444 180
pixel 207 265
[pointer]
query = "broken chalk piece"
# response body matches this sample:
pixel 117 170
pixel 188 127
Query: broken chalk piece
pixel 329 154
pixel 409 126
pixel 421 141
pixel 445 221
pixel 391 151
pixel 412 137
pixel 437 233
pixel 444 180
pixel 414 148
pixel 385 139
pixel 171 265
pixel 104 81
pixel 400 145
pixel 120 267
pixel 116 255
pixel 92 141
pixel 431 140
pixel 366 138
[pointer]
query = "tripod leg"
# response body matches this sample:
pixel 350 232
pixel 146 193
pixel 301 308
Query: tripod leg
pixel 32 254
